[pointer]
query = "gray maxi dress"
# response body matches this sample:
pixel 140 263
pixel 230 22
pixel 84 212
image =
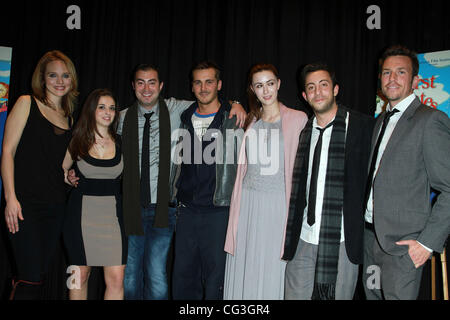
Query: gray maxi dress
pixel 256 271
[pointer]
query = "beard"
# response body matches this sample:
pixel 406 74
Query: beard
pixel 148 102
pixel 206 100
pixel 401 93
pixel 324 108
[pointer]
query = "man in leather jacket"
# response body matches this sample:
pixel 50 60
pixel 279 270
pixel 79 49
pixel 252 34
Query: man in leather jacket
pixel 204 182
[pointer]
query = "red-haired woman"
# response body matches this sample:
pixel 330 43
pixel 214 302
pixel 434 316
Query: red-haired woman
pixel 260 200
pixel 37 132
pixel 93 232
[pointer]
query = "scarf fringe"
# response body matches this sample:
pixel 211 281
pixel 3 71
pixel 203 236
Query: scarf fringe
pixel 324 291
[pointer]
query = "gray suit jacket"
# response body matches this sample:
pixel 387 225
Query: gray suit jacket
pixel 416 158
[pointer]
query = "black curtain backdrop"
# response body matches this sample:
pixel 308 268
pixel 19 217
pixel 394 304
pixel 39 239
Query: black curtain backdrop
pixel 174 34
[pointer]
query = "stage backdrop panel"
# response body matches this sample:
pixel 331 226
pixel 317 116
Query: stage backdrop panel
pixel 5 71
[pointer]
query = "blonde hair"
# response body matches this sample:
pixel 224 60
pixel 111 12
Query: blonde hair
pixel 38 81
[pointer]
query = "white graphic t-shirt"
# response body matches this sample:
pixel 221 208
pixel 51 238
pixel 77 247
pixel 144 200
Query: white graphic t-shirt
pixel 201 123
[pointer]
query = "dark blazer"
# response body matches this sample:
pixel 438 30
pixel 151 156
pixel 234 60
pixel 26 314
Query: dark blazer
pixel 416 159
pixel 357 150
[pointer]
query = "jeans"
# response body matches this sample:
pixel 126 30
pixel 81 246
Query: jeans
pixel 145 273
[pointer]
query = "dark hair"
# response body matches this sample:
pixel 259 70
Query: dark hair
pixel 253 102
pixel 144 67
pixel 68 102
pixel 400 50
pixel 84 133
pixel 206 65
pixel 317 66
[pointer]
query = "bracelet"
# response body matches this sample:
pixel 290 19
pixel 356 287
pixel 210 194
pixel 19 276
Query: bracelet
pixel 235 102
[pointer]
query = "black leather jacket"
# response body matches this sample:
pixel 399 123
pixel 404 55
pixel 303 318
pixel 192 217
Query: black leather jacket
pixel 225 171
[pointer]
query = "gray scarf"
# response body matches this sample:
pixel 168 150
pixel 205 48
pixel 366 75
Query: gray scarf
pixel 330 228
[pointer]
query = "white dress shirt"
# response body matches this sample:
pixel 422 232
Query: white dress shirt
pixel 309 233
pixel 401 107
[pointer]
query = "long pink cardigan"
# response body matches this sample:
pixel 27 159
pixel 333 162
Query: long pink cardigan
pixel 292 123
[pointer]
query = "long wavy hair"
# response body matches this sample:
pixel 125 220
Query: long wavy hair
pixel 254 104
pixel 68 101
pixel 84 133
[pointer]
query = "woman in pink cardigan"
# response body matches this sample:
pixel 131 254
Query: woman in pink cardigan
pixel 260 200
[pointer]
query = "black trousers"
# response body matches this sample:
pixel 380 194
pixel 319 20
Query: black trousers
pixel 199 262
pixel 35 244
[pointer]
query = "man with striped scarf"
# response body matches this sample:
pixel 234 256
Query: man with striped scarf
pixel 324 233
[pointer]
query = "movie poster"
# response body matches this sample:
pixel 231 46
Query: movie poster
pixel 434 84
pixel 5 71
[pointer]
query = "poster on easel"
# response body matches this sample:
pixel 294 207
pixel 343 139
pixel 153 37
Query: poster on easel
pixel 434 82
pixel 5 71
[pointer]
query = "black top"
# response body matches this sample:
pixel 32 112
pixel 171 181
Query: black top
pixel 38 173
pixel 100 187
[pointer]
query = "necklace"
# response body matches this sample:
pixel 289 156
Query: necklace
pixel 102 145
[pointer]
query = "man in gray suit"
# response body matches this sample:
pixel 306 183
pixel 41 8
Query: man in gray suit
pixel 410 155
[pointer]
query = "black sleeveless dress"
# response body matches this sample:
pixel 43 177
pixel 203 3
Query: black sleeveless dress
pixel 41 192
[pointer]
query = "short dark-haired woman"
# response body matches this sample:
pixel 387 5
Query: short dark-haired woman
pixel 93 232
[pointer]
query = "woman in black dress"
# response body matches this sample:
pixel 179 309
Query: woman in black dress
pixel 93 232
pixel 37 132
